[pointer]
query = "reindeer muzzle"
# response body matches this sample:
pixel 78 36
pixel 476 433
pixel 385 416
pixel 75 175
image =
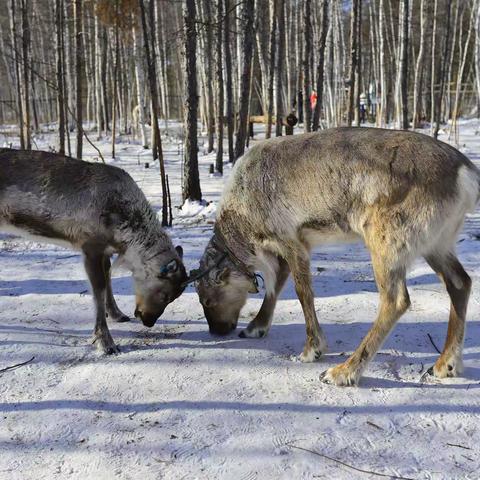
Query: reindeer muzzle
pixel 148 319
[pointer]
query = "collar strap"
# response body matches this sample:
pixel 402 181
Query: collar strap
pixel 220 244
pixel 200 275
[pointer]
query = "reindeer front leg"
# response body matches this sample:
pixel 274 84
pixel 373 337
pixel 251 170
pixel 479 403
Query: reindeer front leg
pixel 113 311
pixel 299 263
pixel 95 268
pixel 260 325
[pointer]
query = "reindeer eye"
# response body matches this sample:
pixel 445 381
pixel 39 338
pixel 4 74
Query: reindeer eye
pixel 170 267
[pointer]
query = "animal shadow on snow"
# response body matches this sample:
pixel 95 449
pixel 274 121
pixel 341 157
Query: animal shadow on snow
pixel 334 284
pixel 407 349
pixel 408 346
pixel 15 288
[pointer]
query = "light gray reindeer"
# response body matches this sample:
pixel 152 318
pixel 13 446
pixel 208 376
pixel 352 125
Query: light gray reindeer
pixel 99 210
pixel 403 193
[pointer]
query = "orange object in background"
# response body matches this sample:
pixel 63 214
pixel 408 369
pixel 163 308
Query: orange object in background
pixel 313 99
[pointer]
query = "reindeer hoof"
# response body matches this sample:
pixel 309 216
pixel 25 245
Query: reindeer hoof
pixel 427 375
pixel 443 369
pixel 105 344
pixel 339 376
pixel 109 350
pixel 112 350
pixel 253 333
pixel 311 355
pixel 323 378
pixel 118 317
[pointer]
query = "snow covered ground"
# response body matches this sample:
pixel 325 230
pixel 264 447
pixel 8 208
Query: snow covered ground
pixel 179 403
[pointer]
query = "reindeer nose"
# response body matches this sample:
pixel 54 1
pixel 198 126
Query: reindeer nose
pixel 221 328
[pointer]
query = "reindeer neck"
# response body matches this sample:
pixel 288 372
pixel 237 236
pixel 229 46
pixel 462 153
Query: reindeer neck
pixel 146 242
pixel 234 238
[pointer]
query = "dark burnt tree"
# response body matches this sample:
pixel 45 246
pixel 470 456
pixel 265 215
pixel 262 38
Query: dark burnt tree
pixel 248 13
pixel 307 53
pixel 321 66
pixel 79 67
pixel 279 68
pixel 191 180
pixel 220 87
pixel 59 26
pixel 228 80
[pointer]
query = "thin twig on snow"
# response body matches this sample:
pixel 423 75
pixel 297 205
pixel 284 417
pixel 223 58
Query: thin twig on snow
pixel 370 472
pixel 15 366
pixel 459 446
pixel 433 343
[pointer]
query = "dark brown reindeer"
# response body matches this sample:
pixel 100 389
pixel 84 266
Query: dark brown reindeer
pixel 99 210
pixel 404 194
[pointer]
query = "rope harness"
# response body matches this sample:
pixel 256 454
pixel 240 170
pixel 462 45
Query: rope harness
pixel 219 243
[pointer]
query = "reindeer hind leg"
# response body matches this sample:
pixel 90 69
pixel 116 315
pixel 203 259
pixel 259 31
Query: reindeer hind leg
pixel 458 285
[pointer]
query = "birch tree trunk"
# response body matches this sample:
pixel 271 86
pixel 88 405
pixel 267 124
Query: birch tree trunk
pixel 358 66
pixel 162 62
pixel 262 44
pixel 438 105
pixel 417 82
pixel 103 78
pixel 157 151
pixel 17 61
pixel 115 102
pixel 383 70
pixel 271 65
pixel 98 82
pixel 140 82
pixel 461 69
pixel 353 61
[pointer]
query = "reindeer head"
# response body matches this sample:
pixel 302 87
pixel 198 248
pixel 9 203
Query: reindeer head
pixel 159 283
pixel 223 289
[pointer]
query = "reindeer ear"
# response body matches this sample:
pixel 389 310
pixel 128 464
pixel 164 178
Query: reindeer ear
pixel 179 250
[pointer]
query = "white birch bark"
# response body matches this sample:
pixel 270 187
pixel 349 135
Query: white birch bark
pixel 140 83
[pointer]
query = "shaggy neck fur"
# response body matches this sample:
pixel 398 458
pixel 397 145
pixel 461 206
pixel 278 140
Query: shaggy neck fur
pixel 146 244
pixel 253 257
